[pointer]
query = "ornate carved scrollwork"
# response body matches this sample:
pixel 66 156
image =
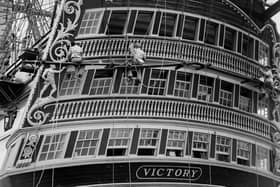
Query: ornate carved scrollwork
pixel 38 114
pixel 59 49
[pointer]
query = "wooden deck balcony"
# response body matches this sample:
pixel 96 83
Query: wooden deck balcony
pixel 173 50
pixel 155 108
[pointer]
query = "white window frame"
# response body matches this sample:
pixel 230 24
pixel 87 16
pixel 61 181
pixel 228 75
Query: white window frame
pixel 74 77
pixel 262 159
pixel 120 138
pixel 240 150
pixel 98 24
pixel 158 80
pixel 104 79
pixel 197 140
pixel 98 139
pixel 129 85
pixel 147 138
pixel 223 145
pixel 63 150
pixel 186 93
pixel 176 140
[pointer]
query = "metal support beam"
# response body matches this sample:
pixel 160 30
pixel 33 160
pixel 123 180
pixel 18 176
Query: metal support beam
pixel 272 10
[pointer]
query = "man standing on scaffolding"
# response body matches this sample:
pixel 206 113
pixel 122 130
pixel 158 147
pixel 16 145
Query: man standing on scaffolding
pixel 138 58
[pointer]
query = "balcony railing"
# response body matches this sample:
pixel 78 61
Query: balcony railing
pixel 173 50
pixel 162 109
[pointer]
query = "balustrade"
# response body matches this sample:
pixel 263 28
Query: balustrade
pixel 173 50
pixel 159 108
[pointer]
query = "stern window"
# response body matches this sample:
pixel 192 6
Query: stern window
pixel 167 26
pixel 87 142
pixel 117 22
pixel 243 153
pixel 200 145
pixel 157 82
pixel 211 33
pixel 148 143
pixel 53 147
pixel 119 142
pixel 90 22
pixel 230 39
pixel 175 143
pixel 223 148
pixel 262 158
pixel 205 88
pixel 101 83
pixel 190 28
pixel 183 84
pixel 71 84
pixel 226 94
pixel 143 23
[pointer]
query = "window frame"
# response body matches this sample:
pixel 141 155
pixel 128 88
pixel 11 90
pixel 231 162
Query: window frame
pixel 125 85
pixel 125 23
pixel 158 80
pixel 184 82
pixel 206 34
pixel 267 164
pixel 222 100
pixel 49 145
pixel 100 131
pixel 97 27
pixel 97 87
pixel 177 148
pixel 197 27
pixel 223 145
pixel 205 151
pixel 81 85
pixel 155 147
pixel 126 147
pixel 150 27
pixel 200 85
pixel 241 157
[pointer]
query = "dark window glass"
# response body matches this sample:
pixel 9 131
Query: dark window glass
pixel 143 23
pixel 245 99
pixel 167 24
pixel 117 22
pixel 211 33
pixel 247 46
pixel 230 38
pixel 190 28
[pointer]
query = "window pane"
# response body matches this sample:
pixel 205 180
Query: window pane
pixel 53 147
pixel 211 33
pixel 230 39
pixel 87 143
pixel 148 144
pixel 71 84
pixel 263 54
pixel 101 83
pixel 183 84
pixel 143 23
pixel 190 28
pixel 247 46
pixel 167 24
pixel 117 22
pixel 262 158
pixel 90 22
pixel 157 82
pixel 205 88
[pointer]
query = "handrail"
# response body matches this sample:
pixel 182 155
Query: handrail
pixel 172 49
pixel 175 109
